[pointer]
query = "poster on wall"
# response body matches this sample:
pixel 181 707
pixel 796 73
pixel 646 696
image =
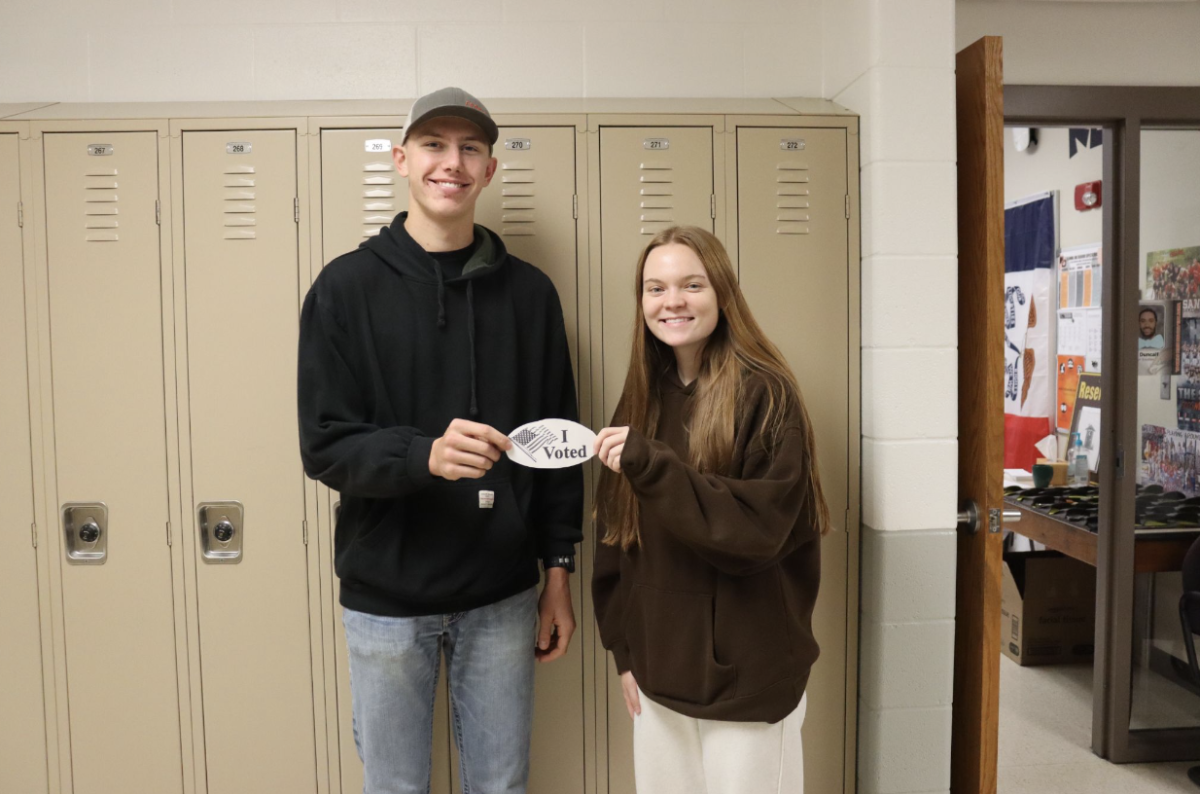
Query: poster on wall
pixel 1156 337
pixel 1168 458
pixel 1086 418
pixel 1079 277
pixel 1187 341
pixel 1173 274
pixel 1069 370
pixel 1030 353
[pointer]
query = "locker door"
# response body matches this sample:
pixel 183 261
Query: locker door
pixel 530 204
pixel 239 189
pixel 792 232
pixel 106 318
pixel 23 729
pixel 360 189
pixel 354 203
pixel 650 178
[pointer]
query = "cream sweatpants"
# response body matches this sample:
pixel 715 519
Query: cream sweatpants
pixel 674 754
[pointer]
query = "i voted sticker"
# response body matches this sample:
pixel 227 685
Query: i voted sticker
pixel 551 444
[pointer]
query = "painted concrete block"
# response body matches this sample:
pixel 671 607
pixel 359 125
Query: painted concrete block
pixel 910 393
pixel 904 750
pixel 910 302
pixel 907 665
pixel 908 576
pixel 910 484
pixel 508 60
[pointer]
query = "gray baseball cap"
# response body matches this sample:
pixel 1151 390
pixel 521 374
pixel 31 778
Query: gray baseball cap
pixel 451 102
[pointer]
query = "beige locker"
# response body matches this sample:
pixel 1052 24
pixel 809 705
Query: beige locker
pixel 360 189
pixel 793 208
pixel 23 757
pixel 103 281
pixel 650 178
pixel 240 210
pixel 354 203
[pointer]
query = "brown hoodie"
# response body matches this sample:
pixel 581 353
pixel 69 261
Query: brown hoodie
pixel 713 611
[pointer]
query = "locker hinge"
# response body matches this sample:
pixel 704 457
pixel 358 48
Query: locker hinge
pixel 158 212
pixel 21 214
pixel 304 530
pixel 296 209
pixel 575 206
pixel 1119 459
pixel 33 532
pixel 712 205
pixel 168 533
pixel 847 206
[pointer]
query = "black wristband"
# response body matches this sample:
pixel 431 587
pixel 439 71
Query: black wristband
pixel 561 561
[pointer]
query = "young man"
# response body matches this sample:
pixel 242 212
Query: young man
pixel 418 352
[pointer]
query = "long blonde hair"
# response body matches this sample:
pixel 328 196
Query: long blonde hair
pixel 736 350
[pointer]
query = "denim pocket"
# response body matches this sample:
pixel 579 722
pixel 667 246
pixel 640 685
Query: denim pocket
pixel 670 636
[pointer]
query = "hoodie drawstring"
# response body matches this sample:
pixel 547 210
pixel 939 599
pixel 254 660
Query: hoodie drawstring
pixel 437 269
pixel 471 338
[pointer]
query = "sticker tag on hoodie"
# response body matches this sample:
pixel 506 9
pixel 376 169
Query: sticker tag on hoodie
pixel 551 444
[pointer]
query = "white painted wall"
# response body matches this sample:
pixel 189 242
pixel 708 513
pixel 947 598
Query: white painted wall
pixel 893 62
pixel 1075 43
pixel 154 50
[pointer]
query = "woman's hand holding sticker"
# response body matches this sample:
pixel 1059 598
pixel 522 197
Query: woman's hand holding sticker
pixel 610 442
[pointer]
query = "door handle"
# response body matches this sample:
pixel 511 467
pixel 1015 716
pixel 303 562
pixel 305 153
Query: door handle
pixel 969 518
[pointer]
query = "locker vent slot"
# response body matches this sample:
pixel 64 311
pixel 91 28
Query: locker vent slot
pixel 516 179
pixel 792 178
pixel 517 217
pixel 238 182
pixel 789 203
pixel 791 190
pixel 239 169
pixel 379 193
pixel 517 165
pixel 236 221
pixel 100 205
pixel 374 167
pixel 378 180
pixel 370 232
pixel 234 234
pixel 516 191
pixel 792 230
pixel 656 178
pixel 657 217
pixel 239 206
pixel 378 206
pixel 517 231
pixel 519 204
pixel 792 167
pixel 658 204
pixel 655 166
pixel 656 191
pixel 792 216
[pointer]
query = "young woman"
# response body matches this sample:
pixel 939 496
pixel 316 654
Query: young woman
pixel 710 514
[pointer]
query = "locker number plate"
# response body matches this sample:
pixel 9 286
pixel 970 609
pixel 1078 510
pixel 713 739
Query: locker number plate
pixel 377 145
pixel 238 147
pixel 792 144
pixel 658 144
pixel 518 144
pixel 100 149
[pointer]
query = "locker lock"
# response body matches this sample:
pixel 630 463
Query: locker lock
pixel 223 531
pixel 89 532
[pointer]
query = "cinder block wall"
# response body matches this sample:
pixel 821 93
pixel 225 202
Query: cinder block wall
pixel 893 62
pixel 177 50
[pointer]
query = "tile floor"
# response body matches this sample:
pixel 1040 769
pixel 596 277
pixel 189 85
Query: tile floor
pixel 1045 739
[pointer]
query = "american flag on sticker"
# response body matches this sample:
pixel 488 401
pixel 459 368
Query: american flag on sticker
pixel 533 438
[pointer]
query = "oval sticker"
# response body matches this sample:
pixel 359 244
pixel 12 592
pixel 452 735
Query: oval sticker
pixel 551 444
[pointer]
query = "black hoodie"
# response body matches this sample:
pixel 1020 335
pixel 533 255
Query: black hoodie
pixel 390 353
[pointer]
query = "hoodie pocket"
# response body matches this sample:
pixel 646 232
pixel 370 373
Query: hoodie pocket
pixel 670 636
pixel 450 540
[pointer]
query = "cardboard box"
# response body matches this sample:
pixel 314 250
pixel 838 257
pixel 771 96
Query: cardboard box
pixel 1047 609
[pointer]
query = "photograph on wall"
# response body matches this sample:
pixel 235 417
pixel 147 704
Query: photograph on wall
pixel 1086 419
pixel 1168 459
pixel 1156 347
pixel 1173 274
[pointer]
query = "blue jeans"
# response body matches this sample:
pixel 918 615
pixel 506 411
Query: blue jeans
pixel 393 681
